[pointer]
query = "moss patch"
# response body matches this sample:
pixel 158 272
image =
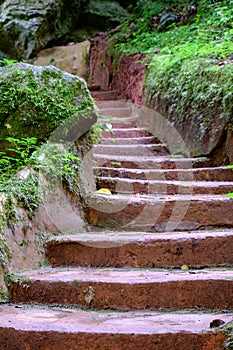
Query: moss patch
pixel 35 100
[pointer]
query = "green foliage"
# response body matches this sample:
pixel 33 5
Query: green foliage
pixel 18 156
pixel 4 296
pixel 209 34
pixel 19 179
pixel 190 66
pixel 6 62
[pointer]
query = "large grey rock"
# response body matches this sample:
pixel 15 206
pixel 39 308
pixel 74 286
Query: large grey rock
pixel 27 26
pixel 104 13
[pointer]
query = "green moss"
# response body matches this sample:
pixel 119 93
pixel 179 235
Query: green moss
pixel 34 102
pixel 4 296
pixel 192 88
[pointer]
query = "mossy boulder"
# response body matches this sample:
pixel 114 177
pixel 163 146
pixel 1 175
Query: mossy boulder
pixel 36 100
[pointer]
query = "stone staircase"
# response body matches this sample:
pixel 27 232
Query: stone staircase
pixel 154 270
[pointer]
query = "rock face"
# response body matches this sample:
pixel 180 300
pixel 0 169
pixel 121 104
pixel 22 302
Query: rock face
pixel 125 74
pixel 26 27
pixel 35 100
pixel 73 59
pixel 53 106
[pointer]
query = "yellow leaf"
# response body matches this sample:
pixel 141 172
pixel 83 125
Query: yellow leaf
pixel 104 191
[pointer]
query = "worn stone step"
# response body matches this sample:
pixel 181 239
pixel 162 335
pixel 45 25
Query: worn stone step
pixel 118 185
pixel 104 95
pixel 140 249
pixel 148 162
pixel 132 141
pixel 128 133
pixel 117 124
pixel 134 150
pixel 126 289
pixel 198 174
pixel 114 104
pixel 122 112
pixel 159 212
pixel 70 329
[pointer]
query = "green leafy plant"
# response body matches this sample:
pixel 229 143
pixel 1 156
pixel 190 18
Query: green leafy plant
pixel 18 155
pixel 5 62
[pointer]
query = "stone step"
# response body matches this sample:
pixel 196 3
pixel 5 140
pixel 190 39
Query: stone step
pixel 126 289
pixel 116 124
pixel 133 141
pixel 198 174
pixel 149 162
pixel 125 132
pixel 118 185
pixel 114 104
pixel 122 112
pixel 134 150
pixel 70 329
pixel 159 212
pixel 104 95
pixel 140 249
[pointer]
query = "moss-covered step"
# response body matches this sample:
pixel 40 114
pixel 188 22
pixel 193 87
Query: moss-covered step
pixel 140 249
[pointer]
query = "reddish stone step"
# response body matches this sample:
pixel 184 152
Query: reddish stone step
pixel 116 112
pixel 128 150
pixel 118 185
pixel 104 95
pixel 120 249
pixel 116 124
pixel 160 213
pixel 114 104
pixel 133 141
pixel 125 289
pixel 125 132
pixel 198 174
pixel 62 329
pixel 149 162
